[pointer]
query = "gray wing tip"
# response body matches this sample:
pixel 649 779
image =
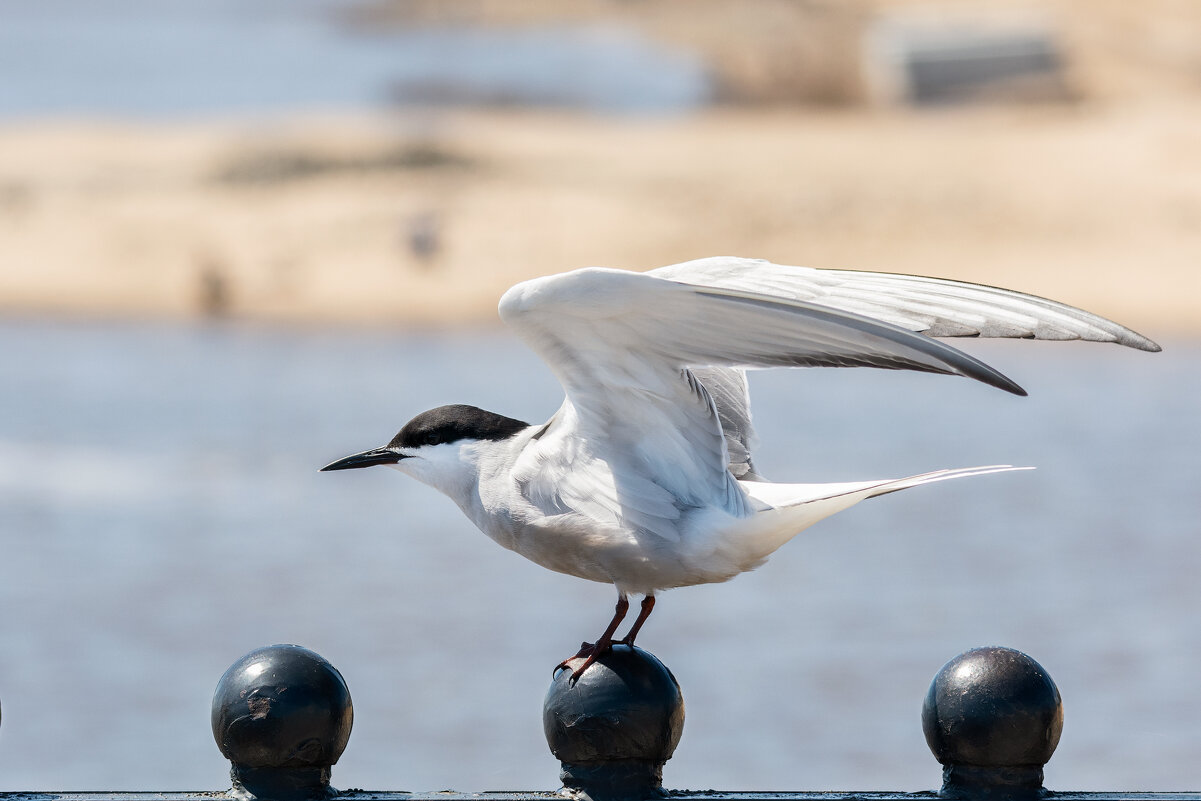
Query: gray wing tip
pixel 1107 330
pixel 1135 340
pixel 999 380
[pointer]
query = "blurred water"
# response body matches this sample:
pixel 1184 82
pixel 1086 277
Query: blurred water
pixel 161 513
pixel 151 58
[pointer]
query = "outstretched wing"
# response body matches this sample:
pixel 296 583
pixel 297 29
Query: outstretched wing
pixel 932 306
pixel 622 345
pixel 936 307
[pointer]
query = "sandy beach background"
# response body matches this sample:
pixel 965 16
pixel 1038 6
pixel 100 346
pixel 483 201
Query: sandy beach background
pixel 421 216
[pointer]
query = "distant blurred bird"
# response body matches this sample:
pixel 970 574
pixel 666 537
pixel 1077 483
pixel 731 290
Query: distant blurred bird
pixel 423 236
pixel 643 478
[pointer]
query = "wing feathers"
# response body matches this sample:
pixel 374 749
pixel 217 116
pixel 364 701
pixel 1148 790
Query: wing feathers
pixel 799 333
pixel 933 306
pixel 635 315
pixel 652 367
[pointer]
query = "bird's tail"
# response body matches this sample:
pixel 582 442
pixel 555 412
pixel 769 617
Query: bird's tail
pixel 788 509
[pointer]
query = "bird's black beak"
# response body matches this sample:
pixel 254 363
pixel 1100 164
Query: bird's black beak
pixel 365 459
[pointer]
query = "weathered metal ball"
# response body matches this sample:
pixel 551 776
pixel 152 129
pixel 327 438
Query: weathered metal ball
pixel 626 706
pixel 992 708
pixel 282 706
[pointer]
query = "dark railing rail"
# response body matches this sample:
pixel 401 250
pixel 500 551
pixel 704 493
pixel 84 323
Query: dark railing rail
pixel 548 795
pixel 282 715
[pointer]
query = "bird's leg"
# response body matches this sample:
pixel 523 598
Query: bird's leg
pixel 648 604
pixel 604 643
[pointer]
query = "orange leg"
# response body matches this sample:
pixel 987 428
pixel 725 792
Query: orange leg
pixel 589 651
pixel 604 643
pixel 648 604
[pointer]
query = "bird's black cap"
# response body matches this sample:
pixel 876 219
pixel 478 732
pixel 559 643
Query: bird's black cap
pixel 435 427
pixel 454 423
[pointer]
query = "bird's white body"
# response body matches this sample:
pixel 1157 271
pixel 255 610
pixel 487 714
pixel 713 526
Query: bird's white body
pixel 644 477
pixel 508 490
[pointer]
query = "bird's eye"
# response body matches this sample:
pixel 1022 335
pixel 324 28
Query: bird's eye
pixel 432 438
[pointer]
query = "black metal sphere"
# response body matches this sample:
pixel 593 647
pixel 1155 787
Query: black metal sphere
pixel 626 706
pixel 992 708
pixel 282 706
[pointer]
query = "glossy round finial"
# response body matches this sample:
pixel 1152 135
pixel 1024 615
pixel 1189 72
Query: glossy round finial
pixel 614 727
pixel 282 715
pixel 992 717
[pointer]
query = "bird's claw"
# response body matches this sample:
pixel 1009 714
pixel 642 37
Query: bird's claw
pixel 589 653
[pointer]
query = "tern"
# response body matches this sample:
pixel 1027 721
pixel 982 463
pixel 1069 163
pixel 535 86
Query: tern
pixel 643 478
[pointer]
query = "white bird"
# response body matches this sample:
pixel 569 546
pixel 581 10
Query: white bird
pixel 643 478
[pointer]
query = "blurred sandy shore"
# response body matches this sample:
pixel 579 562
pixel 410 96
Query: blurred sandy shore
pixel 424 219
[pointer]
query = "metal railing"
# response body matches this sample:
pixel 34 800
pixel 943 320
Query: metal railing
pixel 282 716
